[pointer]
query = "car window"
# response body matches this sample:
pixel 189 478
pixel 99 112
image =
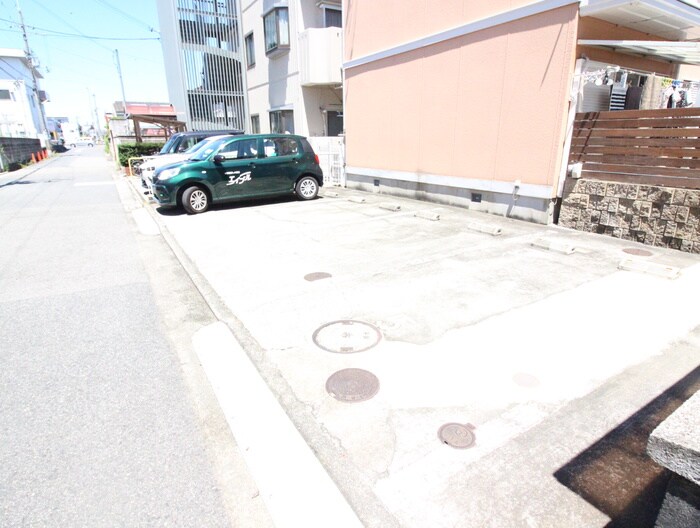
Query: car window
pixel 188 143
pixel 207 149
pixel 169 145
pixel 240 149
pixel 280 146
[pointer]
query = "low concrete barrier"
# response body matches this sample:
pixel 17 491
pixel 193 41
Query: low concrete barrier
pixel 675 445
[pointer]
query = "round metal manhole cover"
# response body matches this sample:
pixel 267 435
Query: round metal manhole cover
pixel 637 252
pixel 460 436
pixel 347 336
pixel 317 275
pixel 352 385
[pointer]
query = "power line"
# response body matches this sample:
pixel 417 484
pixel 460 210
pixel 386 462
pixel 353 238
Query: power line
pixel 126 15
pixel 65 22
pixel 54 33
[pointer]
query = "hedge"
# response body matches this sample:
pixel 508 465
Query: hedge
pixel 136 150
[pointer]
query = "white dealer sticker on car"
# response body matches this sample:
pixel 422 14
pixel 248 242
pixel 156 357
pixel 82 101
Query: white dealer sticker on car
pixel 238 178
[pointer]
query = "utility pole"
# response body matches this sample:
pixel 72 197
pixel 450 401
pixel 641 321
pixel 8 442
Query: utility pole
pixel 121 80
pixel 35 86
pixel 98 128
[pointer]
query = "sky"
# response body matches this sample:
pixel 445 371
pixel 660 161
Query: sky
pixel 74 41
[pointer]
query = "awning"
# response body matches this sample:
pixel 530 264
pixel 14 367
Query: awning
pixel 673 20
pixel 675 52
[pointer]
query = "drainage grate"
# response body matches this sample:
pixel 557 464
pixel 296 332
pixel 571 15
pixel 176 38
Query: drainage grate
pixel 347 336
pixel 352 385
pixel 460 436
pixel 317 275
pixel 637 252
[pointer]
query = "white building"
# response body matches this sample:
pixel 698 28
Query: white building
pixel 257 65
pixel 203 62
pixel 20 113
pixel 294 66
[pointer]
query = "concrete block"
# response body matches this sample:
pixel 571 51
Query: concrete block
pixel 389 206
pixel 558 246
pixel 675 443
pixel 427 215
pixel 651 268
pixel 681 506
pixel 485 228
pixel 356 199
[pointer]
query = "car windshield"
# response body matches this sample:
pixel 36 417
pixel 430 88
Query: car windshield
pixel 168 145
pixel 192 151
pixel 205 150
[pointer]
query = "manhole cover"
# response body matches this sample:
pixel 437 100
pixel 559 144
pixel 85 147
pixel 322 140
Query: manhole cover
pixel 317 275
pixel 638 252
pixel 347 336
pixel 457 435
pixel 352 385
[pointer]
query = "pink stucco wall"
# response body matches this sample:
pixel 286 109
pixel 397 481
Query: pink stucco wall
pixel 373 25
pixel 489 105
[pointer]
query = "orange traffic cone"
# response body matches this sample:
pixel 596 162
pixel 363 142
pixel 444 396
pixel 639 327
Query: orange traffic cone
pixel 46 153
pixel 33 158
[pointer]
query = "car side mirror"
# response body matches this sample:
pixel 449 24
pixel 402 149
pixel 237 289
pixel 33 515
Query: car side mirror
pixel 219 158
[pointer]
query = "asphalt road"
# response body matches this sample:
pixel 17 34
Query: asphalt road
pixel 104 418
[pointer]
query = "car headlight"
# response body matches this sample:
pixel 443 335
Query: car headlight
pixel 168 173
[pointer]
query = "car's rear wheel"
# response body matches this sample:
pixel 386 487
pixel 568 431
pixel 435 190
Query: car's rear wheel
pixel 306 188
pixel 195 200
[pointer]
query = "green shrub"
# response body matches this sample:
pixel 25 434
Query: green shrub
pixel 135 150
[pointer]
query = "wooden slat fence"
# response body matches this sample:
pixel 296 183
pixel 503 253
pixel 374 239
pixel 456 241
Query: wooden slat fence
pixel 649 147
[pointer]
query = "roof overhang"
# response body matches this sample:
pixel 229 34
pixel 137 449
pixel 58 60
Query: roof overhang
pixel 668 19
pixel 674 52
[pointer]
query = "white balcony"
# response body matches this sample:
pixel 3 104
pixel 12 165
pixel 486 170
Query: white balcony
pixel 320 57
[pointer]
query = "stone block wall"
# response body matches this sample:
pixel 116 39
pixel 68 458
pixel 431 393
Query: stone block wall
pixel 14 151
pixel 652 215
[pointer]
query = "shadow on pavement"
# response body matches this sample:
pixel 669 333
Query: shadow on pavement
pixel 242 204
pixel 616 475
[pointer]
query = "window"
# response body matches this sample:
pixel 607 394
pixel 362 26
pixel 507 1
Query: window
pixel 240 149
pixel 5 94
pixel 276 24
pixel 282 121
pixel 280 147
pixel 255 124
pixel 333 17
pixel 250 50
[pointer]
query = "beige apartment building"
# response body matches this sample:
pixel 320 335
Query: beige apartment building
pixel 293 66
pixel 472 103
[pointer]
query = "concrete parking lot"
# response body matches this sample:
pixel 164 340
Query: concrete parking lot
pixel 550 357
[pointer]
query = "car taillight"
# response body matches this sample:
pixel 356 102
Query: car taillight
pixel 316 158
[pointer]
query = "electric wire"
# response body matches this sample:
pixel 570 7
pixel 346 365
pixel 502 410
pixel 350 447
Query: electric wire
pixel 54 33
pixel 126 15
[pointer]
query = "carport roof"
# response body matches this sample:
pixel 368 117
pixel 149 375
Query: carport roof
pixel 675 52
pixel 667 19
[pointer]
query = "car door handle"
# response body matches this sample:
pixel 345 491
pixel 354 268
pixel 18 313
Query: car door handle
pixel 251 165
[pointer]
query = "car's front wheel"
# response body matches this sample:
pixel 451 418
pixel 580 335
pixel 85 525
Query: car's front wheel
pixel 195 200
pixel 306 188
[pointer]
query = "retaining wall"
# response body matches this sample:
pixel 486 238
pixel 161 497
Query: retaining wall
pixel 652 215
pixel 14 151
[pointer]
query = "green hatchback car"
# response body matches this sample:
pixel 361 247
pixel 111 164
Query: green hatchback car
pixel 240 167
